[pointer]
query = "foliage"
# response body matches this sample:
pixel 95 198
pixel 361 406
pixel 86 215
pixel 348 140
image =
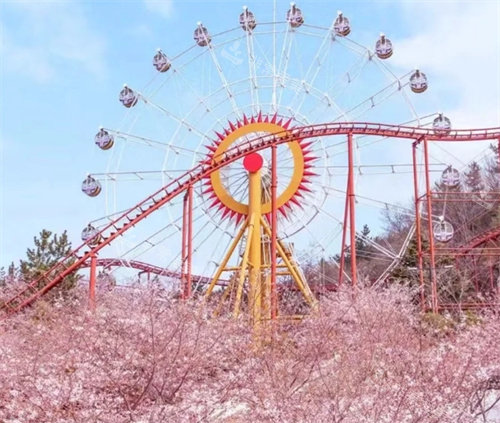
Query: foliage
pixel 48 250
pixel 143 357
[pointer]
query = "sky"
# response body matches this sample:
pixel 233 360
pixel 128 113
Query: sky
pixel 62 64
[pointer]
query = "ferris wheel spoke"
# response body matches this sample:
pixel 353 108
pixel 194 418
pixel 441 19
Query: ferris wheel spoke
pixel 189 126
pixel 280 77
pixel 135 176
pixel 222 76
pixel 152 142
pixel 196 237
pixel 350 75
pixel 325 99
pixel 324 248
pixel 367 239
pixel 383 205
pixel 254 86
pixel 317 61
pixel 151 242
pixel 391 75
pixel 374 99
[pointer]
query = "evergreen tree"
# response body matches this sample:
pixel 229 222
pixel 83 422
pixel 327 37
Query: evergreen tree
pixel 362 244
pixel 49 249
pixel 473 178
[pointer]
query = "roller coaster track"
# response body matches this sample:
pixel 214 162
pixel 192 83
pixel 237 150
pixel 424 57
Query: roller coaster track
pixel 75 259
pixel 201 280
pixel 146 268
pixel 479 240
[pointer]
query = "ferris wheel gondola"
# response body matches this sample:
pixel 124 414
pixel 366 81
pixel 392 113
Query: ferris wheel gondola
pixel 383 47
pixel 247 20
pixel 443 231
pixel 161 62
pixel 294 16
pixel 441 125
pixel 201 35
pixel 128 97
pixel 450 177
pixel 418 82
pixel 91 186
pixel 104 140
pixel 91 235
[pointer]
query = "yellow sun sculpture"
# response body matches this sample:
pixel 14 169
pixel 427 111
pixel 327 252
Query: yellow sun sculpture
pixel 251 207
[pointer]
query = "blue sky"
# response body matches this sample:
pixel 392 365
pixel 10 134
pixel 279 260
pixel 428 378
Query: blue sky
pixel 64 62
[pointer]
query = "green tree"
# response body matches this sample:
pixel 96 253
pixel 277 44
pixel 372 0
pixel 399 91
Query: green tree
pixel 48 250
pixel 474 178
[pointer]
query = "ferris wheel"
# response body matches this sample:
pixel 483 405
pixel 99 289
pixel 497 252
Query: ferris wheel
pixel 264 75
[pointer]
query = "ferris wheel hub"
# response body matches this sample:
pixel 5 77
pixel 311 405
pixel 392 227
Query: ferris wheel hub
pixel 253 162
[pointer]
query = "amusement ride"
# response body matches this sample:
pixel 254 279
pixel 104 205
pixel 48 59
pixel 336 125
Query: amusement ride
pixel 247 166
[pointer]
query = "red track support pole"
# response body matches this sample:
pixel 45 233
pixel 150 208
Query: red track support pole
pixel 428 193
pixel 274 233
pixel 475 279
pixel 344 232
pixel 490 268
pixel 352 211
pixel 498 155
pixel 92 281
pixel 189 242
pixel 418 229
pixel 184 247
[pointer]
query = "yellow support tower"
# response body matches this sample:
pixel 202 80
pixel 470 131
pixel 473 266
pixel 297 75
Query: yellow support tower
pixel 254 266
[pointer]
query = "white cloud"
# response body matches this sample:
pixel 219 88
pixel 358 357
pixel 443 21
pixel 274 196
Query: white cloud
pixel 457 44
pixel 163 7
pixel 59 34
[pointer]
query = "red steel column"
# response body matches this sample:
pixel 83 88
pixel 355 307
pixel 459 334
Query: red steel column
pixel 92 281
pixel 498 155
pixel 418 229
pixel 352 211
pixel 274 235
pixel 189 243
pixel 428 194
pixel 184 247
pixel 344 232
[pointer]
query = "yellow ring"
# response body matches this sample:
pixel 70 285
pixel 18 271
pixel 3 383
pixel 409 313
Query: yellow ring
pixel 271 128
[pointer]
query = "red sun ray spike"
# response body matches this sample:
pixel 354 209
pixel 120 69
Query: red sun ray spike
pixel 295 201
pixel 259 117
pixel 283 212
pixel 245 119
pixel 231 125
pixel 287 124
pixel 214 203
pixel 239 216
pixel 225 213
pixel 303 187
